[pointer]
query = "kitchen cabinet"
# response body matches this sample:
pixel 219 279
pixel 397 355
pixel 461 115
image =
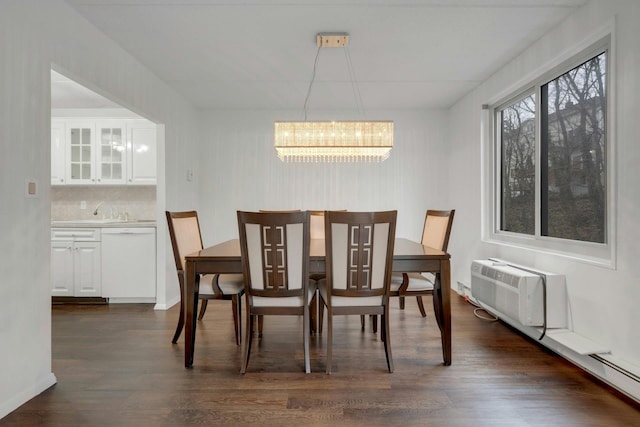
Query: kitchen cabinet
pixel 103 152
pixel 95 152
pixel 80 148
pixel 129 264
pixel 110 152
pixel 58 151
pixel 141 152
pixel 75 262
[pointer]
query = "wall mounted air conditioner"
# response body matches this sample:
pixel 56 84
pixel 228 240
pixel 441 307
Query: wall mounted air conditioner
pixel 516 292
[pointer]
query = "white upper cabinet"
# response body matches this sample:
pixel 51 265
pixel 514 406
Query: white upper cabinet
pixel 110 152
pixel 80 157
pixel 58 151
pixel 141 152
pixel 103 152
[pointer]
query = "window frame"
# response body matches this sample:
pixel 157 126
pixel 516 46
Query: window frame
pixel 602 254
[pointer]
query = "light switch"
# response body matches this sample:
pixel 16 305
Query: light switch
pixel 189 175
pixel 30 187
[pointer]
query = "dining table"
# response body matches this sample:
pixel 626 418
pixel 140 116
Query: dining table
pixel 408 256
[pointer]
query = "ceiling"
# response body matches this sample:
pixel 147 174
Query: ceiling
pixel 259 54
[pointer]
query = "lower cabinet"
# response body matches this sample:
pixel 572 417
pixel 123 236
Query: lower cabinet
pixel 129 264
pixel 75 263
pixel 117 263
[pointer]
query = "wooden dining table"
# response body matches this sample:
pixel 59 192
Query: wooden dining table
pixel 408 256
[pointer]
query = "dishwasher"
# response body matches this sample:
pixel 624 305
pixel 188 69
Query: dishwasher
pixel 129 264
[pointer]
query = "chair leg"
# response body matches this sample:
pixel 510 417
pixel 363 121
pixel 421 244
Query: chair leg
pixel 374 322
pixel 247 340
pixel 260 325
pixel 203 308
pixel 421 306
pixel 401 302
pixel 384 326
pixel 320 315
pixel 180 324
pixel 313 314
pixel 305 338
pixel 236 307
pixel 329 342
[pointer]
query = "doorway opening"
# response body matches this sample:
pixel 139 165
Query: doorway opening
pixel 106 199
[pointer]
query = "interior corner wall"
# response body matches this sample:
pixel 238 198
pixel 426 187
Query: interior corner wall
pixel 34 35
pixel 603 300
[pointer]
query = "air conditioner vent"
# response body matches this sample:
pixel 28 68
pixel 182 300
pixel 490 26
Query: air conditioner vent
pixel 517 293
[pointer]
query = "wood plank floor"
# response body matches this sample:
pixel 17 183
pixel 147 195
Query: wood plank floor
pixel 116 366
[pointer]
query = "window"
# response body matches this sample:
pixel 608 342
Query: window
pixel 551 151
pixel 518 166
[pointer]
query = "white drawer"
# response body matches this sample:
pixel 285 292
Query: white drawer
pixel 76 234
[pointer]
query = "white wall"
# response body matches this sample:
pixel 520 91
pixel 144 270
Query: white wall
pixel 241 171
pixel 34 34
pixel 603 301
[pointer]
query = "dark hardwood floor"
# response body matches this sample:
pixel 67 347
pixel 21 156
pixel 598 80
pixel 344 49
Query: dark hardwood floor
pixel 116 366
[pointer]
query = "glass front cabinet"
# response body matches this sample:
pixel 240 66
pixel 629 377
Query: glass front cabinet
pixel 103 152
pixel 96 153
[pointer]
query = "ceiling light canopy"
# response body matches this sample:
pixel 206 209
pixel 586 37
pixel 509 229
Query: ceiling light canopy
pixel 333 141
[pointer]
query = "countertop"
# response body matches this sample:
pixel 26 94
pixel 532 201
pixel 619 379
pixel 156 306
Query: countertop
pixel 103 223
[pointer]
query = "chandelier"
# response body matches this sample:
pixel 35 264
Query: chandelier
pixel 333 141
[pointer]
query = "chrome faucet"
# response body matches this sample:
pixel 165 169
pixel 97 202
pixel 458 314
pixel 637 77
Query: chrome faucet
pixel 95 212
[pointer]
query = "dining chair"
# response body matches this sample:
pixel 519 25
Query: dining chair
pixel 359 257
pixel 184 230
pixel 316 221
pixel 260 319
pixel 275 264
pixel 435 234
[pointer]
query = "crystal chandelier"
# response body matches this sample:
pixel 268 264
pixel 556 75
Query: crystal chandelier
pixel 333 141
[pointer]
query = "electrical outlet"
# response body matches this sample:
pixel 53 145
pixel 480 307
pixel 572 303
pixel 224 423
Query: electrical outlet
pixel 83 204
pixel 463 289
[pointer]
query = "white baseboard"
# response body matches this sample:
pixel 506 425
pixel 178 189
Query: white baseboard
pixel 132 300
pixel 168 304
pixel 25 395
pixel 621 376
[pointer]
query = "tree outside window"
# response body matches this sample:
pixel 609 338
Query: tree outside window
pixel 573 179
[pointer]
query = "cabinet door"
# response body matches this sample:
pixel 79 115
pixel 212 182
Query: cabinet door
pixel 80 153
pixel 87 277
pixel 110 152
pixel 58 150
pixel 62 268
pixel 142 152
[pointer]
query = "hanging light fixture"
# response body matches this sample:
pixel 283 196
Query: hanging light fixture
pixel 333 141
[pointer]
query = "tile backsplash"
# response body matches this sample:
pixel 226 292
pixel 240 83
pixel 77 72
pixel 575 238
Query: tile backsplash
pixel 137 202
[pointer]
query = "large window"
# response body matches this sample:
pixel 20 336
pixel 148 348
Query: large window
pixel 551 150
